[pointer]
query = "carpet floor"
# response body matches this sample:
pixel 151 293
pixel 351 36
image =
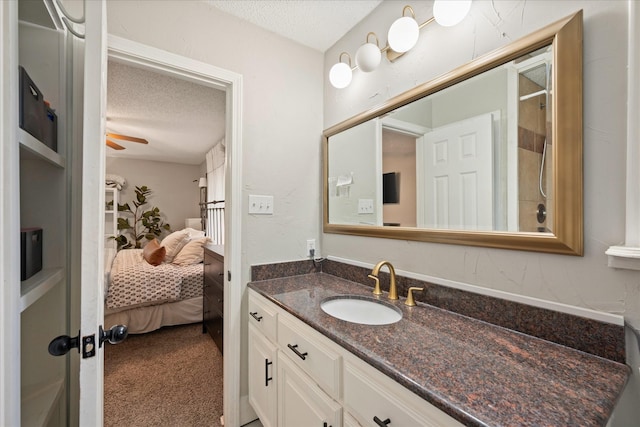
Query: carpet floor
pixel 169 377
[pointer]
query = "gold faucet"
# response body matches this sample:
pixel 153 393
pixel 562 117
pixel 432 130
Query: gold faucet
pixel 393 290
pixel 411 302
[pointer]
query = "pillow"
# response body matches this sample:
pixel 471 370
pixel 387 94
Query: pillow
pixel 174 242
pixel 194 234
pixel 192 253
pixel 153 253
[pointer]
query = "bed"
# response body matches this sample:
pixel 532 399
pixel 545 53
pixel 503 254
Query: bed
pixel 146 297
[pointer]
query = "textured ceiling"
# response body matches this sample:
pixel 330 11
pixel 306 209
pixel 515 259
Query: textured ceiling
pixel 318 24
pixel 181 120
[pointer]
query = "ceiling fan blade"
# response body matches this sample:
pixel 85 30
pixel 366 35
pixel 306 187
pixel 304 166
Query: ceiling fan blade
pixel 127 138
pixel 115 146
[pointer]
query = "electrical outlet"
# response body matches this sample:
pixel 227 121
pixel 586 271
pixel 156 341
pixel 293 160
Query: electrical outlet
pixel 365 206
pixel 311 248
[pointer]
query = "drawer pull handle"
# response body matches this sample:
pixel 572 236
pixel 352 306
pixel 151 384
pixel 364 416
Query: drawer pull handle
pixel 381 423
pixel 255 316
pixel 326 425
pixel 294 348
pixel 267 378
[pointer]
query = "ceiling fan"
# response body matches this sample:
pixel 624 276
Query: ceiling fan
pixel 117 146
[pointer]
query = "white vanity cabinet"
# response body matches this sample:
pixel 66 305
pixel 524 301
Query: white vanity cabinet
pixel 319 383
pixel 291 370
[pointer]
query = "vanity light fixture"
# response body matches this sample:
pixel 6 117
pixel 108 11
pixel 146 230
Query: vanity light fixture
pixel 450 13
pixel 402 37
pixel 404 32
pixel 340 74
pixel 368 55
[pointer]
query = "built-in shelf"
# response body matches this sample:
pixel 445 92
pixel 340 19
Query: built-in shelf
pixel 37 148
pixel 39 402
pixel 37 285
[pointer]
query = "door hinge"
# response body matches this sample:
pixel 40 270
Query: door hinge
pixel 228 275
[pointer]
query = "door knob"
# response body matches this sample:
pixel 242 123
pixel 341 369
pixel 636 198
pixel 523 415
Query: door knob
pixel 115 335
pixel 61 345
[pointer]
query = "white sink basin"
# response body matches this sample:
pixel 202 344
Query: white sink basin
pixel 366 311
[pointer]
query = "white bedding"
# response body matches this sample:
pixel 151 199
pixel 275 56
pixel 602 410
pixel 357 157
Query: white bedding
pixel 140 320
pixel 136 283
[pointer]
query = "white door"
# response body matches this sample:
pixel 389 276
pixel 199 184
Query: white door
pixel 458 177
pixel 92 229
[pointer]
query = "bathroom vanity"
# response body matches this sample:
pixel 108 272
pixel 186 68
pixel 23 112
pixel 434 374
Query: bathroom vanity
pixel 433 367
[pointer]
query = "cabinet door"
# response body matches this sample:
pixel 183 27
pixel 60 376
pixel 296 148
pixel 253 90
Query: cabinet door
pixel 263 388
pixel 301 402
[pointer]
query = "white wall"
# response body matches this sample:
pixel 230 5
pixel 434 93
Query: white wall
pixel 281 117
pixel 352 153
pixel 579 281
pixel 173 189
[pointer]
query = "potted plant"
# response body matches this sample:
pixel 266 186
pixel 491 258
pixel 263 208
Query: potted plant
pixel 145 224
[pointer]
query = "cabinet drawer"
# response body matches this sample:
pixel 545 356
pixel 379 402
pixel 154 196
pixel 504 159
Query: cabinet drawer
pixel 263 315
pixel 301 402
pixel 210 311
pixel 213 269
pixel 368 393
pixel 214 292
pixel 313 352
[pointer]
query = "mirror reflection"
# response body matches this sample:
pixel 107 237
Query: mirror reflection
pixel 474 156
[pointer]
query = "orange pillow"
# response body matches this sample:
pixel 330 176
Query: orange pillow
pixel 153 253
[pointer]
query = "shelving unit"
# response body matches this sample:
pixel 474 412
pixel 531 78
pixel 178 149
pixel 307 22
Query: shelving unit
pixel 39 284
pixel 45 398
pixel 111 217
pixel 45 52
pixel 36 149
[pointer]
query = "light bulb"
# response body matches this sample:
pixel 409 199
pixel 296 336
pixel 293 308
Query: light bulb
pixel 403 34
pixel 340 75
pixel 449 13
pixel 368 57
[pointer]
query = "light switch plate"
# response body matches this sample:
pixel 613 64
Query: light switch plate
pixel 260 205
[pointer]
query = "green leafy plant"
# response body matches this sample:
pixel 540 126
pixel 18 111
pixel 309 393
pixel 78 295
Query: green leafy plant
pixel 145 224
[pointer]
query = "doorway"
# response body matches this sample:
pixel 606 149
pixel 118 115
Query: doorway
pixel 139 55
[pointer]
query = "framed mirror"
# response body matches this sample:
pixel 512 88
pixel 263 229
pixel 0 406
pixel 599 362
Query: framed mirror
pixel 489 154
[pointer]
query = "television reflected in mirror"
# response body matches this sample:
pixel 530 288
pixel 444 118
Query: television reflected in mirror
pixel 391 187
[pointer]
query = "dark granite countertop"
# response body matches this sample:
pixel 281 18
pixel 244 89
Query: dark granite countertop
pixel 478 373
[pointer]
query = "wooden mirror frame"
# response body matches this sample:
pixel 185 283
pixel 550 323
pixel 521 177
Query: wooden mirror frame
pixel 567 164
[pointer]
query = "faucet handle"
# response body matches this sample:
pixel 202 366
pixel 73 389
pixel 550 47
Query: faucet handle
pixel 376 289
pixel 410 301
